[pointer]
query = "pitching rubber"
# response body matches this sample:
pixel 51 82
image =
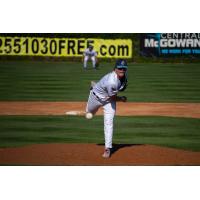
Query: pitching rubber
pixel 75 113
pixel 79 113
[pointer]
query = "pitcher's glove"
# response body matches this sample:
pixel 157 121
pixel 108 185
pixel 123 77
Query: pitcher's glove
pixel 123 98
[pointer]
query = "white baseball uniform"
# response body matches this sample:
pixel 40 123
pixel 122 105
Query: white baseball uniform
pixel 99 96
pixel 89 55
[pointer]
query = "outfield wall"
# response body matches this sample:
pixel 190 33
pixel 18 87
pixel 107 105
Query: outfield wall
pixel 110 46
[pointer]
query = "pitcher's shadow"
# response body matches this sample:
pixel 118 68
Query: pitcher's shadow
pixel 117 147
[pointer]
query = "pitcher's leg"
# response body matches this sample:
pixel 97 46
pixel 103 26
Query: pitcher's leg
pixel 93 104
pixel 109 113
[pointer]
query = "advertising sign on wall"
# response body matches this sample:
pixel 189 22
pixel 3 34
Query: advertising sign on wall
pixel 67 47
pixel 169 44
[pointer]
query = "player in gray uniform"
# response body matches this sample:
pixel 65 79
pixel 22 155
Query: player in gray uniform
pixel 89 53
pixel 104 93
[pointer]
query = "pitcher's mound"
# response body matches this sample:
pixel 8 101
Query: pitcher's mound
pixel 91 154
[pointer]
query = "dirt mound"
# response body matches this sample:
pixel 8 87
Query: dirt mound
pixel 90 154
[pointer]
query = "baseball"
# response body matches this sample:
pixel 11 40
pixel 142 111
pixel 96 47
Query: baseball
pixel 89 115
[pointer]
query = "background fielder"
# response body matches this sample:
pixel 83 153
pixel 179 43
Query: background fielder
pixel 104 93
pixel 89 53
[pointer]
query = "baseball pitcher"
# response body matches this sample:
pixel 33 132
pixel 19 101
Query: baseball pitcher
pixel 104 93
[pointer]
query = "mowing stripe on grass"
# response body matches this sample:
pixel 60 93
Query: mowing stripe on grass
pixel 166 131
pixel 67 81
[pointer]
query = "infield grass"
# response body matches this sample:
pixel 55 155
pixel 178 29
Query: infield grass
pixel 179 133
pixel 67 81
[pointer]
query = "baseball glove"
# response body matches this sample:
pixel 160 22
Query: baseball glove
pixel 123 98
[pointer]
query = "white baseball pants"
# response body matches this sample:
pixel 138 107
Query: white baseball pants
pixel 109 108
pixel 86 58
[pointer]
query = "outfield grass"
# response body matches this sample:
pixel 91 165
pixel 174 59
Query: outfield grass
pixel 67 81
pixel 165 131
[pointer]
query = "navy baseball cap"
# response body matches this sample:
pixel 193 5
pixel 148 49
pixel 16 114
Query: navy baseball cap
pixel 121 63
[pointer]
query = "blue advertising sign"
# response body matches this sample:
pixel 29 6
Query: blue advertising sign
pixel 168 44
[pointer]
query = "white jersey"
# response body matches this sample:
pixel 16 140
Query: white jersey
pixel 89 53
pixel 108 86
pixel 100 95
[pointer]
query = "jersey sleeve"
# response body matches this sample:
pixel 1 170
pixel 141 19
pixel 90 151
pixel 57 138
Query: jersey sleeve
pixel 112 90
pixel 124 83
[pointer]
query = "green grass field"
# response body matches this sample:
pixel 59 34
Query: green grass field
pixel 67 81
pixel 166 131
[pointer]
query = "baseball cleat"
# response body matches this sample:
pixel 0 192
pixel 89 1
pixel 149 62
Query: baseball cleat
pixel 93 83
pixel 106 153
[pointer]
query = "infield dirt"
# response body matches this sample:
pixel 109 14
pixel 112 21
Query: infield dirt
pixel 123 109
